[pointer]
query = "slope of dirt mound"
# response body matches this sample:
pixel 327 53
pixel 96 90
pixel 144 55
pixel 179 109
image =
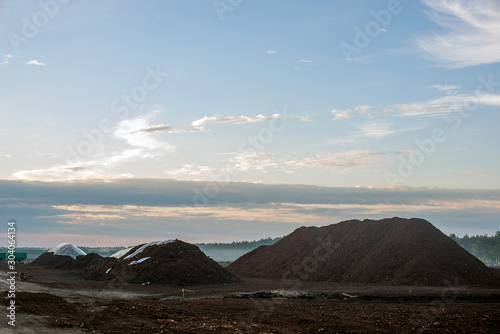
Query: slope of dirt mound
pixel 169 262
pixel 49 259
pixel 390 251
pixel 82 262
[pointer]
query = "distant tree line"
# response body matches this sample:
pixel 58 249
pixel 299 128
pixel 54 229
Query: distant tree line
pixel 228 252
pixel 240 244
pixel 485 248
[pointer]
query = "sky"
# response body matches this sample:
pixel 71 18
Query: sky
pixel 123 122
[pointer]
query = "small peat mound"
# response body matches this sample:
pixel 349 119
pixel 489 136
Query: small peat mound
pixel 394 251
pixel 62 255
pixel 164 262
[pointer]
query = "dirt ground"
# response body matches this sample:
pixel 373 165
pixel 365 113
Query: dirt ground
pixel 56 301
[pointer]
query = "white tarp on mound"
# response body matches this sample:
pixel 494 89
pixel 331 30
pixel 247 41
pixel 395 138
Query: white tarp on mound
pixel 121 253
pixel 143 247
pixel 68 250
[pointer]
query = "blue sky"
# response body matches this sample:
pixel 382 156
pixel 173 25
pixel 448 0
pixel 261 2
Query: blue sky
pixel 381 95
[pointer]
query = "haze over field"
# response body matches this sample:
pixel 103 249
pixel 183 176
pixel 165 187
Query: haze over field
pixel 127 122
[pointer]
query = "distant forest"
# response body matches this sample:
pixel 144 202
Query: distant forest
pixel 485 248
pixel 232 251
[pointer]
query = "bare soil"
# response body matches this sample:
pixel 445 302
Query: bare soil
pixel 60 301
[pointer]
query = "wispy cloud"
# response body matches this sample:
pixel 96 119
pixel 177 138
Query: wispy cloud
pixel 376 130
pixel 6 59
pixel 272 52
pixel 191 172
pixel 188 130
pixel 345 161
pixel 153 128
pixel 446 87
pixel 210 120
pixel 168 128
pixel 34 62
pixel 473 36
pixel 305 61
pixel 65 173
pixel 135 132
pixel 103 164
pixel 240 163
pixel 446 104
pixel 341 114
pixel 233 119
pixel 365 110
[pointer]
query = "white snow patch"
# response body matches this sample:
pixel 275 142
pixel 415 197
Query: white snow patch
pixel 67 250
pixel 139 261
pixel 143 247
pixel 119 254
pixel 107 271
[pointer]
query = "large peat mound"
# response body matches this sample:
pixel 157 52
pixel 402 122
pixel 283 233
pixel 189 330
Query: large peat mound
pixel 394 251
pixel 166 262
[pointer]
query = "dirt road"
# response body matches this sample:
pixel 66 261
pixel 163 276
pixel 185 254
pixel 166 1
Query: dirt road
pixel 53 301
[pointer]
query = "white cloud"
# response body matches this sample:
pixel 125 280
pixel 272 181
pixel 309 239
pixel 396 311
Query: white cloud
pixel 6 59
pixel 302 118
pixel 138 133
pixel 34 62
pixel 365 110
pixel 207 120
pixel 132 131
pixel 446 87
pixel 190 172
pixel 188 130
pixel 341 114
pixel 344 161
pixel 337 162
pixel 473 36
pixel 446 104
pixel 168 128
pixel 377 130
pixel 66 173
pixel 236 164
pixel 305 61
pixel 272 52
pixel 153 128
pixel 233 119
pixel 488 99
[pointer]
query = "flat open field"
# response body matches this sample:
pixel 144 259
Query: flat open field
pixel 56 301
